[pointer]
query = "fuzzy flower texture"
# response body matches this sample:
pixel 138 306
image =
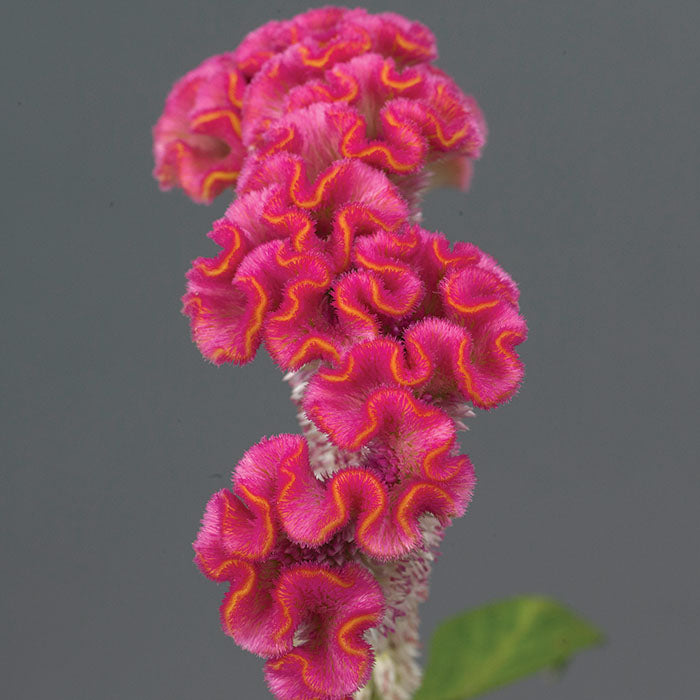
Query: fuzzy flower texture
pixel 330 126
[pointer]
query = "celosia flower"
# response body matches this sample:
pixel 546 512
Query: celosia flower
pixel 305 610
pixel 197 141
pixel 331 125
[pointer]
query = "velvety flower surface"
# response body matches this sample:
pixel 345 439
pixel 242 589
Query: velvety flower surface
pixel 197 141
pixel 279 593
pixel 330 126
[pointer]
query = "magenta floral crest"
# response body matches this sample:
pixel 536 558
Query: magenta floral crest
pixel 331 126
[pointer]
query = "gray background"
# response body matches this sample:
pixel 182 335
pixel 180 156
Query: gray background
pixel 115 431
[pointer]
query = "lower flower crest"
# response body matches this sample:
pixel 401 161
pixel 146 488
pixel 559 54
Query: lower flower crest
pixel 304 609
pixel 295 548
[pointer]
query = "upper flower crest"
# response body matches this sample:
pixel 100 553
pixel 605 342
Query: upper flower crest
pixel 198 142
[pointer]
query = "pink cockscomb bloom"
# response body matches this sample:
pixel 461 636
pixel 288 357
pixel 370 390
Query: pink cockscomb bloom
pixel 330 126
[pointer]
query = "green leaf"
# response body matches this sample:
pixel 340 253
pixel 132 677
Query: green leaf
pixel 483 649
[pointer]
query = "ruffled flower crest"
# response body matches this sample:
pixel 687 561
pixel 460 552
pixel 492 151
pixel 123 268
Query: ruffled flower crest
pixel 330 126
